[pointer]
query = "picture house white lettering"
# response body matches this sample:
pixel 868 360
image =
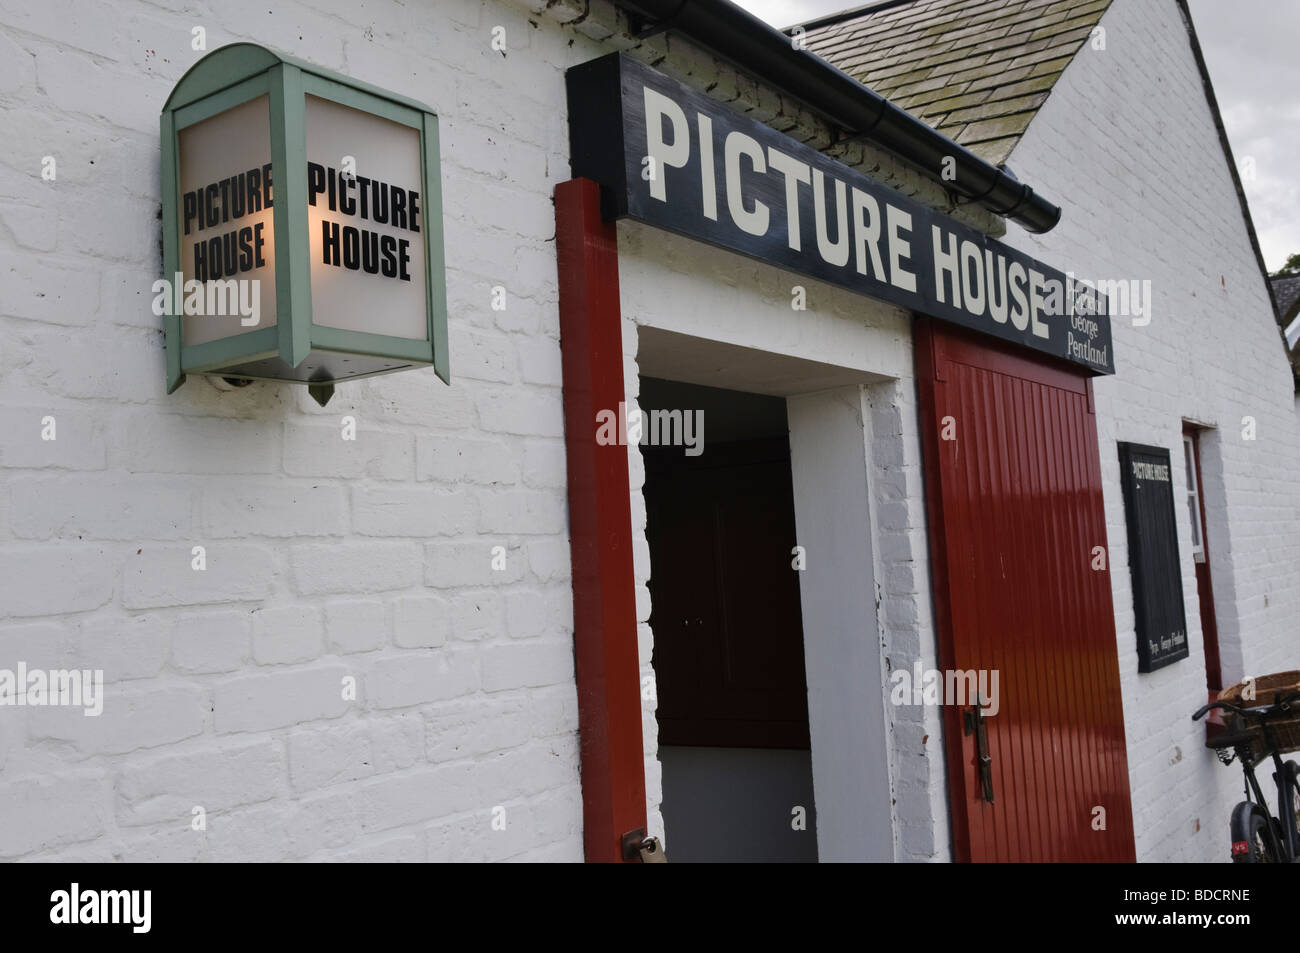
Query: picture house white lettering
pixel 688 164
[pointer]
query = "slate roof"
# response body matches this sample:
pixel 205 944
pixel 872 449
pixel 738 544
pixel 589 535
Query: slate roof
pixel 1286 293
pixel 975 70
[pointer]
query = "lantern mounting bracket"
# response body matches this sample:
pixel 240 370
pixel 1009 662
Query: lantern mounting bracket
pixel 321 393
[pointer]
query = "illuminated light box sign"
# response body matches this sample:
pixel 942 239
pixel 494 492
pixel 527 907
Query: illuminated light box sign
pixel 1161 620
pixel 302 226
pixel 671 157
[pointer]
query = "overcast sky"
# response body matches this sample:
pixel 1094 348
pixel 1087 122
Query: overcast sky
pixel 1251 49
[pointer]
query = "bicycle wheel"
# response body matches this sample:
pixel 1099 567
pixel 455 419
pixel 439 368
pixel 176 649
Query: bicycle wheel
pixel 1253 840
pixel 1293 782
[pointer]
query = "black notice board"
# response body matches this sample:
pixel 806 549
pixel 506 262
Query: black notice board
pixel 1147 477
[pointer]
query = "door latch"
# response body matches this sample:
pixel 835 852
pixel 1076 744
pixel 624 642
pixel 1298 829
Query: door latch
pixel 983 762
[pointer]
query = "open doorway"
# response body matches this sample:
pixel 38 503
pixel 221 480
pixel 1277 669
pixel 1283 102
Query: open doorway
pixel 728 633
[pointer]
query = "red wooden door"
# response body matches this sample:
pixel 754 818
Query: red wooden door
pixel 1015 510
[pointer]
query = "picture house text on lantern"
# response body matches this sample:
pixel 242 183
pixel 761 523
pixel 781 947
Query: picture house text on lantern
pixel 369 199
pixel 357 249
pixel 230 199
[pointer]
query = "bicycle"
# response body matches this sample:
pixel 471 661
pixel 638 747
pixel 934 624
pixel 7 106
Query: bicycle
pixel 1257 836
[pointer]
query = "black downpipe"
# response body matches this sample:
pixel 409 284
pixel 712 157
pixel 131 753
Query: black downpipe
pixel 770 55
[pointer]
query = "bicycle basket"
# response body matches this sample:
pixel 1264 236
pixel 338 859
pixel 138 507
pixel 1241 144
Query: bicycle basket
pixel 1264 690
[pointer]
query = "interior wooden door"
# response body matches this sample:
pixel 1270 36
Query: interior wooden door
pixel 728 653
pixel 1022 587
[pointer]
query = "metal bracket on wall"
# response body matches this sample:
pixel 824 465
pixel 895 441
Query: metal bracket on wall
pixel 642 26
pixel 321 393
pixel 642 29
pixel 631 843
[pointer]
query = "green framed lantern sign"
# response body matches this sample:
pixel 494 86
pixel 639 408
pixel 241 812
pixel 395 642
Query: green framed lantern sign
pixel 302 225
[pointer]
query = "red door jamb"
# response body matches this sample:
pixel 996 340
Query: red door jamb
pixel 928 368
pixel 600 525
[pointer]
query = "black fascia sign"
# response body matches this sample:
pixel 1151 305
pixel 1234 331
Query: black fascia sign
pixel 673 158
pixel 1161 620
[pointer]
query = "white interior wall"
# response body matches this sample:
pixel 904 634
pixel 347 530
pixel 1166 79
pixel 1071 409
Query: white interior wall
pixel 735 805
pixel 829 441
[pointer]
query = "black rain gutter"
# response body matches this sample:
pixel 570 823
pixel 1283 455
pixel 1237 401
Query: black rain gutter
pixel 770 55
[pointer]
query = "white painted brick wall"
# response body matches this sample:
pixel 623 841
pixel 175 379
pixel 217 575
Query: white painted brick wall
pixel 327 560
pixel 331 560
pixel 1126 143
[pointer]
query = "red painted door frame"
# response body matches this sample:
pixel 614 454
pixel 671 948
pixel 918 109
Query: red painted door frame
pixel 600 526
pixel 1014 506
pixel 1204 585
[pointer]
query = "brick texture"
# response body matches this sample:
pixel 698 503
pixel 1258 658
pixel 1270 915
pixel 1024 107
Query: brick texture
pixel 378 651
